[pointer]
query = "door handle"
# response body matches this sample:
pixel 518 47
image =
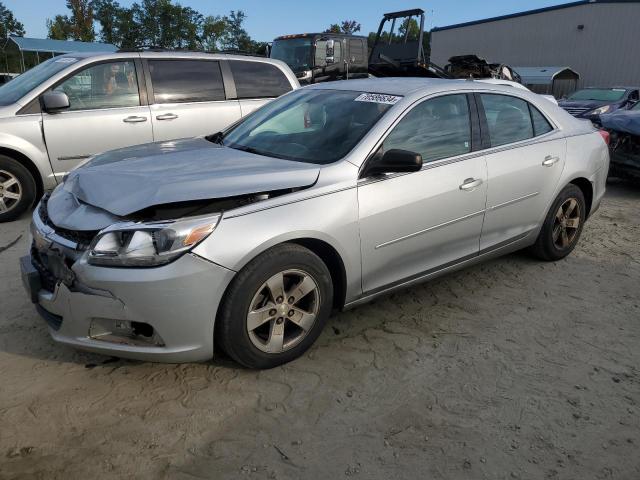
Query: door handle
pixel 167 116
pixel 134 119
pixel 549 161
pixel 470 184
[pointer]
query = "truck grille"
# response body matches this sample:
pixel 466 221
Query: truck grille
pixel 575 111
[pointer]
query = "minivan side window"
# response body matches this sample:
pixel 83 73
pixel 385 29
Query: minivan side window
pixel 436 129
pixel 106 85
pixel 258 79
pixel 508 118
pixel 184 81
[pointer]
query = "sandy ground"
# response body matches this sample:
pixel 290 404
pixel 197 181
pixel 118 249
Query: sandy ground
pixel 512 369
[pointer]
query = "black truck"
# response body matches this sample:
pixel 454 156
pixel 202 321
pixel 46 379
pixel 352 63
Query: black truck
pixel 397 51
pixel 320 57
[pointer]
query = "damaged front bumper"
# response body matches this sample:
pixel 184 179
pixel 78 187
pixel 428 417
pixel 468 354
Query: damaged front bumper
pixel 161 314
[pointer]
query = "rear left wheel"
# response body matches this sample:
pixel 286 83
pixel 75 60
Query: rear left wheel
pixel 563 225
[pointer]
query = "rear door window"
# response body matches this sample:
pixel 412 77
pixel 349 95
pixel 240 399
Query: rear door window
pixel 185 81
pixel 508 119
pixel 258 79
pixel 540 124
pixel 356 50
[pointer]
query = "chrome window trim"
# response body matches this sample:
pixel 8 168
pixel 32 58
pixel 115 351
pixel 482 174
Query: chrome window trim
pixel 465 156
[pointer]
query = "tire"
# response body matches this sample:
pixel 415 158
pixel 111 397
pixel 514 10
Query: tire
pixel 17 189
pixel 253 314
pixel 559 234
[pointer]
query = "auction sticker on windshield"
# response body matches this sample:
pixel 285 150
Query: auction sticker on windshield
pixel 378 98
pixel 66 60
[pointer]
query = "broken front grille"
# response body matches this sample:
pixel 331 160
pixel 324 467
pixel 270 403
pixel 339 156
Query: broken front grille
pixel 81 238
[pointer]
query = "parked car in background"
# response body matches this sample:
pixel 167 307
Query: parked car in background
pixel 590 103
pixel 324 199
pixel 624 128
pixel 73 106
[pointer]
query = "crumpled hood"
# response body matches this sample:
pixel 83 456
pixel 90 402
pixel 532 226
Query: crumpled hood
pixel 128 180
pixel 627 121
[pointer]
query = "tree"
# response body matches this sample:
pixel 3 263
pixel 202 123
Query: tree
pixel 235 36
pixel 8 23
pixel 81 20
pixel 212 32
pixel 117 25
pixel 78 26
pixel 59 28
pixel 346 26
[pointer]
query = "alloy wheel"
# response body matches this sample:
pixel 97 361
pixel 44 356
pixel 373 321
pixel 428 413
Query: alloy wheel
pixel 10 191
pixel 566 224
pixel 283 311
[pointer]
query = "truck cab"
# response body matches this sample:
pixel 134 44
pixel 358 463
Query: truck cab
pixel 322 57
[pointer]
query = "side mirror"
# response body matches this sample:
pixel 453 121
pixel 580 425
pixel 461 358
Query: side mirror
pixel 329 57
pixel 394 161
pixel 53 102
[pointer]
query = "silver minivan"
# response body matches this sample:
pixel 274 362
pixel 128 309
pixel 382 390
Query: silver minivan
pixel 73 106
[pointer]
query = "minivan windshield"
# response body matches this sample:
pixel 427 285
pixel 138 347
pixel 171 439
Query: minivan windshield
pixel 295 52
pixel 599 94
pixel 21 85
pixel 312 126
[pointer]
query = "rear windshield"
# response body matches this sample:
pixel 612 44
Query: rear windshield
pixel 599 94
pixel 21 85
pixel 295 52
pixel 312 126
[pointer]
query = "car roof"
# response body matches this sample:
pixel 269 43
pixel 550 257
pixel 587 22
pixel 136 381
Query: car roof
pixel 170 53
pixel 405 86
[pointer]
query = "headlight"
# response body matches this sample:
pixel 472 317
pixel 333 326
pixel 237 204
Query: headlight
pixel 601 110
pixel 149 244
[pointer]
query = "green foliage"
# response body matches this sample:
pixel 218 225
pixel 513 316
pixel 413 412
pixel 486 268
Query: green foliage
pixel 77 26
pixel 346 26
pixel 8 23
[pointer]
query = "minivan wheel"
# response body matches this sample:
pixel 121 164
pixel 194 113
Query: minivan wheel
pixel 562 226
pixel 17 189
pixel 276 307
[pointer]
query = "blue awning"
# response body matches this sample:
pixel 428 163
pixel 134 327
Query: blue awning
pixel 60 46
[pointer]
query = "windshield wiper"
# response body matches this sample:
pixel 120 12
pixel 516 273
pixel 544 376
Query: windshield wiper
pixel 217 137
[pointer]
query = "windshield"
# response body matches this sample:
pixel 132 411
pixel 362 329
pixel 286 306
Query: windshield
pixel 295 52
pixel 21 85
pixel 636 106
pixel 312 126
pixel 599 94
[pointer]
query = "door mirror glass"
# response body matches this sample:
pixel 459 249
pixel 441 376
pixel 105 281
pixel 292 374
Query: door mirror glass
pixel 321 53
pixel 394 161
pixel 330 52
pixel 53 102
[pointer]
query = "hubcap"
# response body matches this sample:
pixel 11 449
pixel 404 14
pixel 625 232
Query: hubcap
pixel 10 191
pixel 283 311
pixel 566 224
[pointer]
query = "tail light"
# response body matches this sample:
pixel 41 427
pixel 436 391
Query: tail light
pixel 605 136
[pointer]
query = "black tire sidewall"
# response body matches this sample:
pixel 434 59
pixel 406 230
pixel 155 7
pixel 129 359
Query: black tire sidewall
pixel 27 184
pixel 545 245
pixel 231 331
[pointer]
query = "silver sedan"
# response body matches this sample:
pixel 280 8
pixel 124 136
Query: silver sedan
pixel 322 200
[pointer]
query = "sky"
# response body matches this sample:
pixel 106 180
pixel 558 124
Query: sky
pixel 269 19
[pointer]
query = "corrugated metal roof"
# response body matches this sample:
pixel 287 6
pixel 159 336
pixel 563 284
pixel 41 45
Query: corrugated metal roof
pixel 60 46
pixel 541 75
pixel 532 12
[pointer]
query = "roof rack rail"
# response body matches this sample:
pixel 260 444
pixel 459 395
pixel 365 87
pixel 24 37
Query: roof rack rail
pixel 241 52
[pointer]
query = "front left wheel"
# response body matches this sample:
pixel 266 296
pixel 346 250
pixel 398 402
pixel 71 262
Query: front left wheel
pixel 17 189
pixel 276 307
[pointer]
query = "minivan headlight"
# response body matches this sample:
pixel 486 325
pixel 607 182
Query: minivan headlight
pixel 150 244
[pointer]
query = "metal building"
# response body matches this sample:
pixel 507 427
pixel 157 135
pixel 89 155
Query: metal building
pixel 21 53
pixel 596 38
